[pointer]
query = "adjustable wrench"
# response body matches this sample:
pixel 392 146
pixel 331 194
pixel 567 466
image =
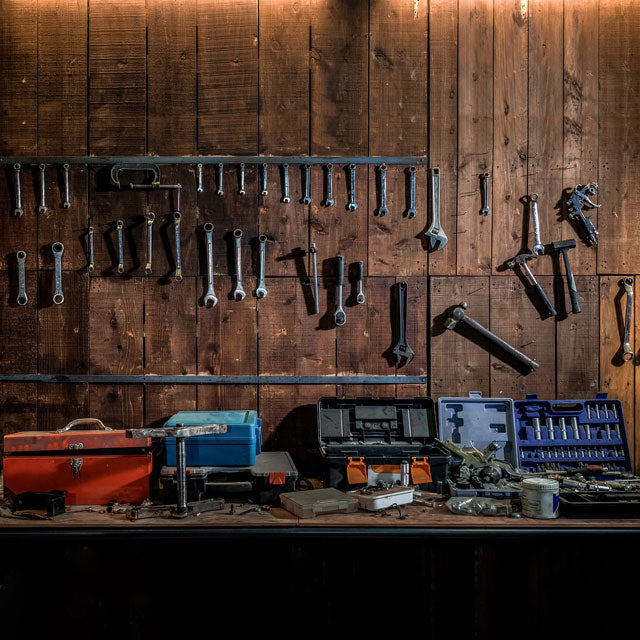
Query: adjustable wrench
pixel 352 206
pixel 17 212
pixel 485 195
pixel 150 218
pixel 43 207
pixel 261 291
pixel 119 228
pixel 313 251
pixel 339 317
pixel 22 291
pixel 538 247
pixel 241 191
pixel 176 224
pixel 329 178
pixel 359 272
pixel 92 261
pixel 58 250
pixel 627 351
pixel 285 196
pixel 264 191
pixel 411 212
pixel 437 237
pixel 307 184
pixel 210 299
pixel 382 209
pixel 402 348
pixel 237 234
pixel 200 188
pixel 66 204
pixel 220 173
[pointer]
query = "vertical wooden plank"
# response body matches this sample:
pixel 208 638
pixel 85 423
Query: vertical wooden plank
pixel 633 427
pixel 411 390
pixel 17 409
pixel 117 77
pixel 509 178
pixel 365 390
pixel 228 77
pixel 227 397
pixel 171 60
pixel 284 77
pixel 417 320
pixel 118 406
pixel 18 233
pixel 515 319
pixel 580 113
pixel 59 404
pixel 458 363
pixel 545 119
pixel 475 134
pixel 443 125
pixel 619 137
pixel 62 77
pixel 18 77
pixel 163 400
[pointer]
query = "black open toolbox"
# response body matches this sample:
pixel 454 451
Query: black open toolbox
pixel 362 439
pixel 600 504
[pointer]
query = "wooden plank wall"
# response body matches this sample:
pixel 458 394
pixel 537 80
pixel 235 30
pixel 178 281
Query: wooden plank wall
pixel 541 93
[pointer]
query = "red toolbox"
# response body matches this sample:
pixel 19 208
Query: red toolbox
pixel 92 463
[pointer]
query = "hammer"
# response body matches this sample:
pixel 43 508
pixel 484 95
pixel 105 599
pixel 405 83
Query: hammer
pixel 521 261
pixel 563 247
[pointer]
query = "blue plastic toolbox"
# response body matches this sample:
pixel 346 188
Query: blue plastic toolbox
pixel 565 434
pixel 239 446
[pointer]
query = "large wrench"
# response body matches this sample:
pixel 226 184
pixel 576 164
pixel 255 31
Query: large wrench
pixel 339 317
pixel 17 212
pixel 199 188
pixel 261 291
pixel 43 206
pixel 538 247
pixel 329 202
pixel 119 228
pixel 176 224
pixel 411 212
pixel 285 196
pixel 402 348
pixel 382 209
pixel 352 206
pixel 92 260
pixel 66 204
pixel 22 290
pixel 313 251
pixel 360 299
pixel 58 250
pixel 437 237
pixel 241 190
pixel 307 184
pixel 485 195
pixel 220 174
pixel 627 351
pixel 150 218
pixel 264 191
pixel 237 234
pixel 210 299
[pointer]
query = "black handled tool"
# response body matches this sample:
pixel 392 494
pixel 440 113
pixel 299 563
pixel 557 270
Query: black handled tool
pixel 339 317
pixel 402 348
pixel 313 251
pixel 521 261
pixel 563 247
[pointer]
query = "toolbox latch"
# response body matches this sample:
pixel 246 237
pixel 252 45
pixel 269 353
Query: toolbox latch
pixel 356 471
pixel 420 471
pixel 277 477
pixel 76 465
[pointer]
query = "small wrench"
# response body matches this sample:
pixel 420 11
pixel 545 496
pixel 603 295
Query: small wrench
pixel 66 204
pixel 382 209
pixel 352 206
pixel 627 351
pixel 241 191
pixel 261 291
pixel 17 212
pixel 411 212
pixel 402 348
pixel 200 188
pixel 285 197
pixel 359 272
pixel 485 195
pixel 329 202
pixel 119 228
pixel 437 237
pixel 92 261
pixel 307 184
pixel 538 248
pixel 22 291
pixel 210 299
pixel 237 234
pixel 43 207
pixel 58 250
pixel 339 317
pixel 264 191
pixel 150 218
pixel 220 172
pixel 176 224
pixel 313 251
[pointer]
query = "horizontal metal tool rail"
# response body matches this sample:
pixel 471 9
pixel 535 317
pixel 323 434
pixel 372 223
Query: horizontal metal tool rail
pixel 257 160
pixel 193 379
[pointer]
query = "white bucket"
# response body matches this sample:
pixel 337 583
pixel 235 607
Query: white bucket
pixel 540 498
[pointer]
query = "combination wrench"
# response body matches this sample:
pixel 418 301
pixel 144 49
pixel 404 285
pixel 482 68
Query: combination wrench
pixel 627 351
pixel 210 299
pixel 339 317
pixel 359 274
pixel 22 289
pixel 485 211
pixel 200 188
pixel 402 348
pixel 329 202
pixel 538 247
pixel 313 251
pixel 261 291
pixel 119 228
pixel 66 204
pixel 43 206
pixel 237 234
pixel 285 180
pixel 150 218
pixel 307 184
pixel 437 237
pixel 17 212
pixel 382 209
pixel 264 191
pixel 411 212
pixel 176 225
pixel 220 174
pixel 352 206
pixel 92 260
pixel 241 191
pixel 58 250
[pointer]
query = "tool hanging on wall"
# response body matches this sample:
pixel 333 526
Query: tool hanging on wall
pixel 382 209
pixel 339 317
pixel 352 206
pixel 307 184
pixel 220 191
pixel 411 211
pixel 627 351
pixel 261 291
pixel 92 260
pixel 577 200
pixel 313 251
pixel 200 188
pixel 285 181
pixel 119 229
pixel 65 168
pixel 485 211
pixel 58 250
pixel 43 205
pixel 521 261
pixel 538 247
pixel 264 190
pixel 402 350
pixel 239 293
pixel 150 218
pixel 359 277
pixel 242 191
pixel 177 217
pixel 17 212
pixel 435 235
pixel 563 247
pixel 22 289
pixel 329 202
pixel 152 169
pixel 210 299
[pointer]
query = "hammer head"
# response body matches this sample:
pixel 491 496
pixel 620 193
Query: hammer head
pixel 456 316
pixel 520 259
pixel 563 245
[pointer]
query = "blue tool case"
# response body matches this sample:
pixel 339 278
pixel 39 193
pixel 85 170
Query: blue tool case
pixel 239 446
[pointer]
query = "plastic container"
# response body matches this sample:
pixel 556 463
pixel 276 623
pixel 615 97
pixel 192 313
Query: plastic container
pixel 540 498
pixel 385 498
pixel 309 504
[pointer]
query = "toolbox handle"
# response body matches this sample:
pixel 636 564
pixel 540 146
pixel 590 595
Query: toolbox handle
pixel 570 407
pixel 98 424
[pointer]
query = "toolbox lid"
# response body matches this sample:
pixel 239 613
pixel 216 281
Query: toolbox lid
pixel 199 418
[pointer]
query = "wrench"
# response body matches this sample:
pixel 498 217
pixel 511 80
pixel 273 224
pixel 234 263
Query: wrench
pixel 307 184
pixel 437 237
pixel 313 251
pixel 538 248
pixel 402 348
pixel 485 195
pixel 339 317
pixel 237 234
pixel 43 207
pixel 66 204
pixel 120 227
pixel 352 206
pixel 382 209
pixel 359 272
pixel 58 250
pixel 627 351
pixel 200 188
pixel 150 218
pixel 92 262
pixel 210 299
pixel 329 178
pixel 241 191
pixel 264 191
pixel 411 212
pixel 261 291
pixel 17 212
pixel 285 197
pixel 176 224
pixel 22 291
pixel 521 261
pixel 220 172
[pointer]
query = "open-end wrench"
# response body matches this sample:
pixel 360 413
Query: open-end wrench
pixel 435 234
pixel 22 289
pixel 285 196
pixel 329 202
pixel 239 293
pixel 360 273
pixel 220 174
pixel 92 260
pixel 210 299
pixel 43 206
pixel 261 291
pixel 627 351
pixel 17 212
pixel 352 206
pixel 521 261
pixel 382 209
pixel 58 250
pixel 339 317
pixel 66 204
pixel 150 218
pixel 411 212
pixel 264 191
pixel 538 247
pixel 119 229
pixel 176 225
pixel 485 195
pixel 313 251
pixel 307 184
pixel 241 191
pixel 402 350
pixel 458 315
pixel 200 188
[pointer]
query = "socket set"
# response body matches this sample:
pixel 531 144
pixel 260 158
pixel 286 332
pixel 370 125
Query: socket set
pixel 565 434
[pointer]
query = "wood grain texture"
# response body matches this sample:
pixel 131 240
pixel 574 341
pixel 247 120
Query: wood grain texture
pixel 62 77
pixel 228 77
pixel 18 408
pixel 18 233
pixel 224 397
pixel 171 77
pixel 118 406
pixel 117 77
pixel 162 401
pixel 417 321
pixel 60 404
